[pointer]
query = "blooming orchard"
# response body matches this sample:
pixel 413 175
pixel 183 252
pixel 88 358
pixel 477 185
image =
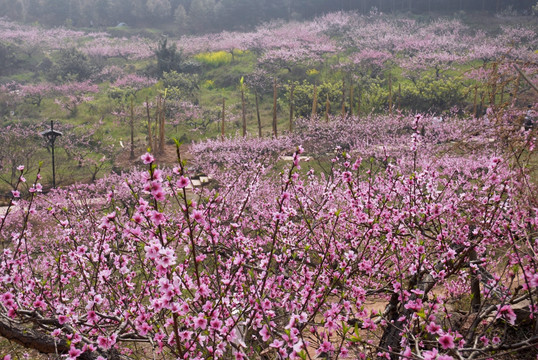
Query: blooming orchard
pixel 403 237
pixel 284 267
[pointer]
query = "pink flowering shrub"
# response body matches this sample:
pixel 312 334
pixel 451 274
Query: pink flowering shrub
pixel 381 137
pixel 282 267
pixel 236 152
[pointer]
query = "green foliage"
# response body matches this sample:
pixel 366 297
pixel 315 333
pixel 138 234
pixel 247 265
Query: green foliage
pixel 72 65
pixel 374 97
pixel 215 58
pixel 229 75
pixel 208 84
pixel 181 86
pixel 191 66
pixel 116 93
pixel 18 60
pixel 303 97
pixel 430 93
pixel 7 58
pixel 312 72
pixel 168 58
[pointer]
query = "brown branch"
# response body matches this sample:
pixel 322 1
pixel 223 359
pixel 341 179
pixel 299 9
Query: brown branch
pixel 526 78
pixel 34 339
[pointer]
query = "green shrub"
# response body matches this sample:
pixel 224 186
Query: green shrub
pixel 208 84
pixel 181 86
pixel 73 65
pixel 303 97
pixel 433 94
pixel 168 58
pixel 7 58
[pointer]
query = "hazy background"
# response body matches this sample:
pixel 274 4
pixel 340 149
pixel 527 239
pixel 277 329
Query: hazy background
pixel 201 16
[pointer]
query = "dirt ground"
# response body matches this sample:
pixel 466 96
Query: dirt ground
pixel 167 158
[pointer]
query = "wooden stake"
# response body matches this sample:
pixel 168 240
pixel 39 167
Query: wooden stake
pixel 157 119
pixel 399 97
pixel 258 114
pixel 275 131
pixel 516 90
pixel 161 126
pixel 475 285
pixel 351 99
pixel 482 100
pixel 327 108
pixel 150 136
pixel 475 100
pixel 315 103
pixel 359 104
pixel 343 98
pixel 390 94
pixel 223 118
pixel 243 111
pixel 521 73
pixel 131 125
pixel 291 106
pixel 493 88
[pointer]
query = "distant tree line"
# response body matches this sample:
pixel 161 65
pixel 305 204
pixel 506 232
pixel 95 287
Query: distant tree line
pixel 195 16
